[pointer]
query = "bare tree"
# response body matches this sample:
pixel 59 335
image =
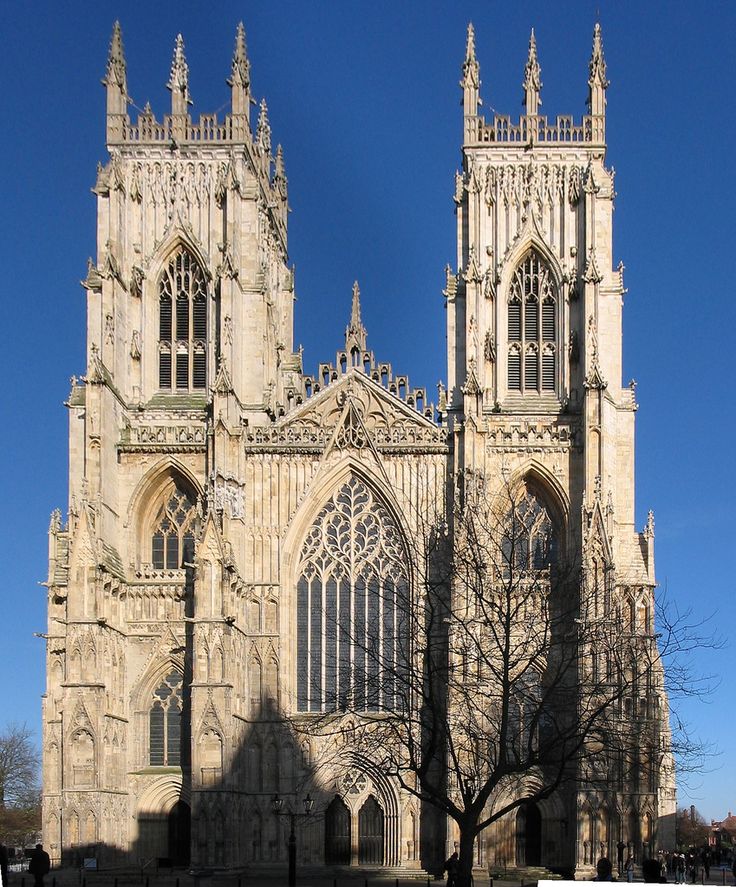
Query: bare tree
pixel 502 675
pixel 20 796
pixel 19 763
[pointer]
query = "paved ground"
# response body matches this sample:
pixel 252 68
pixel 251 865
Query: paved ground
pixel 73 878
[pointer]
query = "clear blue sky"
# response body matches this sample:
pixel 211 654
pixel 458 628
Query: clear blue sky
pixel 364 98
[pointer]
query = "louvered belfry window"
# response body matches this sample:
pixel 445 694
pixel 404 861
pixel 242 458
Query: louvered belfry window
pixel 352 613
pixel 182 352
pixel 532 328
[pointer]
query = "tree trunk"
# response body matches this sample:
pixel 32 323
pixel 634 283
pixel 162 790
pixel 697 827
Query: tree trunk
pixel 467 842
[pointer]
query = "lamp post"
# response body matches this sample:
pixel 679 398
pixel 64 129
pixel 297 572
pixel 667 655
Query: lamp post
pixel 277 805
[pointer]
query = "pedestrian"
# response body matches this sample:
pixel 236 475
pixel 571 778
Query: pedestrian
pixel 629 868
pixel 604 870
pixel 452 866
pixel 40 865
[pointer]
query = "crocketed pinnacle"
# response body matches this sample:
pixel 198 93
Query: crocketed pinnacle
pixel 471 68
pixel 532 71
pixel 116 69
pixel 279 173
pixel 355 334
pixel 240 75
pixel 179 76
pixel 263 130
pixel 597 65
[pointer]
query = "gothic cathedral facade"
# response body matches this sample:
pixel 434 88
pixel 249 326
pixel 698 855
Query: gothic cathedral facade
pixel 204 465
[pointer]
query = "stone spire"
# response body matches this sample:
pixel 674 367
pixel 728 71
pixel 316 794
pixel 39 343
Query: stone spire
pixel 355 334
pixel 471 76
pixel 597 84
pixel 532 82
pixel 179 80
pixel 115 82
pixel 239 81
pixel 263 130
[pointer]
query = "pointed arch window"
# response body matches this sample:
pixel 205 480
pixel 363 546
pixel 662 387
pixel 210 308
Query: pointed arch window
pixel 530 538
pixel 164 748
pixel 352 606
pixel 532 324
pixel 172 539
pixel 182 346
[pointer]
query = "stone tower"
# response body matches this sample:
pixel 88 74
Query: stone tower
pixel 226 510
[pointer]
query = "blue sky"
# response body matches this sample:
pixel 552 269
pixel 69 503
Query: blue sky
pixel 364 98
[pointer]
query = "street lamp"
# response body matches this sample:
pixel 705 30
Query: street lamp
pixel 277 805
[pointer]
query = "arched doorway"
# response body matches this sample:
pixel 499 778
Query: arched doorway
pixel 370 833
pixel 337 833
pixel 528 835
pixel 179 825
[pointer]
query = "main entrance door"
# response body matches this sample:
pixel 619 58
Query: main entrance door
pixel 370 833
pixel 337 833
pixel 528 835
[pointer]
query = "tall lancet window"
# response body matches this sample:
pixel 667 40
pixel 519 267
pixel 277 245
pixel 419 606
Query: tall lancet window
pixel 164 719
pixel 182 347
pixel 353 600
pixel 532 328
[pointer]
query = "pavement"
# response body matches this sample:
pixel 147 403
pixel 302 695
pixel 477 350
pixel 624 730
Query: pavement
pixel 74 878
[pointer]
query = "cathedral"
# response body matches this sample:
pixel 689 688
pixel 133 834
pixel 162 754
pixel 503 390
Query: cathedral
pixel 227 510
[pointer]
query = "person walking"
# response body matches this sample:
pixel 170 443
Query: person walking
pixel 452 866
pixel 40 865
pixel 629 868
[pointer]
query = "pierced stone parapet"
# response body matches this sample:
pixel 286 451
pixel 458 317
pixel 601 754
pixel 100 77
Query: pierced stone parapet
pixel 365 361
pixel 538 129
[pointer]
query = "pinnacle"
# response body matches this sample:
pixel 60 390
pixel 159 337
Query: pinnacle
pixel 532 81
pixel 179 76
pixel 532 70
pixel 356 333
pixel 471 68
pixel 241 66
pixel 115 73
pixel 597 65
pixel 470 45
pixel 280 171
pixel 263 130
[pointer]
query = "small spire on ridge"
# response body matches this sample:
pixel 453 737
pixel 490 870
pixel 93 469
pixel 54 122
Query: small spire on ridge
pixel 355 334
pixel 179 78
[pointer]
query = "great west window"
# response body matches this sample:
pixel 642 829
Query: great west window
pixel 352 605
